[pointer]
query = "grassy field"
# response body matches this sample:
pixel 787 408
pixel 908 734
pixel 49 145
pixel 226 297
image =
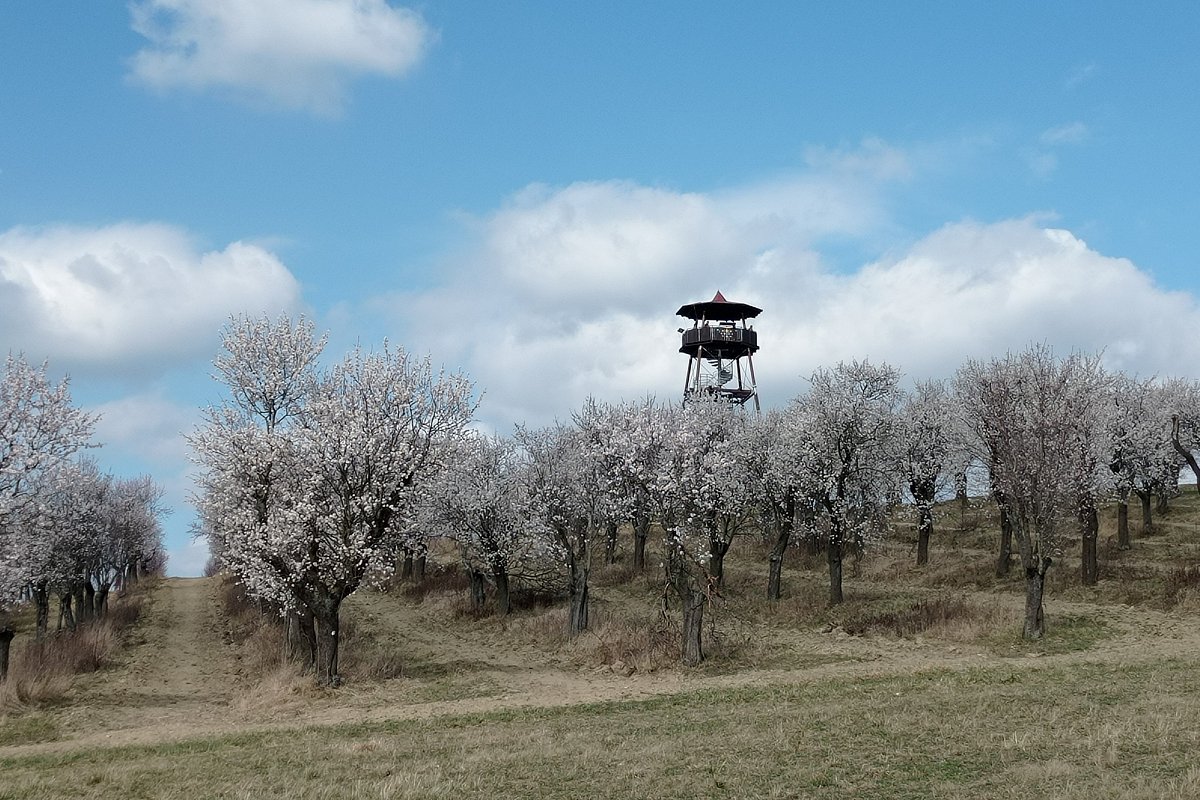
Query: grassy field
pixel 1079 731
pixel 917 687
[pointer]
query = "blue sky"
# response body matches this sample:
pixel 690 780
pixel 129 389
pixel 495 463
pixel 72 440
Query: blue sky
pixel 528 190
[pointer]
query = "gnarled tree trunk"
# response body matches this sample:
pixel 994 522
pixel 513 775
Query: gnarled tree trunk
pixel 717 548
pixel 783 536
pixel 924 530
pixel 577 622
pixel 1089 528
pixel 65 615
pixel 1147 518
pixel 1184 451
pixel 833 554
pixel 326 614
pixel 503 600
pixel 418 573
pixel 1123 541
pixel 610 542
pixel 478 593
pixel 300 638
pixel 1004 558
pixel 6 637
pixel 1035 587
pixel 41 599
pixel 641 532
pixel 693 626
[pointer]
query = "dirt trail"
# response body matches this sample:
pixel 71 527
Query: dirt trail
pixel 176 670
pixel 176 684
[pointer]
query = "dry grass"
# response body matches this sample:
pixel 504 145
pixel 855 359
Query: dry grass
pixel 40 673
pixel 364 656
pixel 1074 732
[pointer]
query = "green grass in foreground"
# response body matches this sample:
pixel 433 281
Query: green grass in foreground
pixel 1082 731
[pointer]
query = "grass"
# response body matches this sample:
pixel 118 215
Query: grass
pixel 1084 731
pixel 974 717
pixel 40 673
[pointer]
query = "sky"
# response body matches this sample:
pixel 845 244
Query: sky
pixel 527 191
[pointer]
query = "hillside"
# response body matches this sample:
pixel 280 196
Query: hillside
pixel 917 687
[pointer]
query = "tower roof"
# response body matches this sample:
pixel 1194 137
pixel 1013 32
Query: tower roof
pixel 719 309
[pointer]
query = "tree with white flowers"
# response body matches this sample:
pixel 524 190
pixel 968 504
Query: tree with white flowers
pixel 479 501
pixel 638 441
pixel 1027 411
pixel 307 474
pixel 775 457
pixel 853 439
pixel 566 488
pixel 928 428
pixel 703 495
pixel 40 430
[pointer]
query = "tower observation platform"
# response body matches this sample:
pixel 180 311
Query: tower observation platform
pixel 716 345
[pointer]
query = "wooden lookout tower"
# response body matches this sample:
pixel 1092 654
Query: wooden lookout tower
pixel 716 344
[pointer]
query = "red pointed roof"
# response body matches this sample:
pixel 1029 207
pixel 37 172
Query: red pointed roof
pixel 719 298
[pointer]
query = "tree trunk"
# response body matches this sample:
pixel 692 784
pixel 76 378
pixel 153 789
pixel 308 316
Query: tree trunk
pixel 577 623
pixel 89 599
pixel 1090 531
pixel 503 601
pixel 924 529
pixel 406 566
pixel 693 626
pixel 1147 519
pixel 81 611
pixel 1035 613
pixel 6 637
pixel 833 553
pixel 64 612
pixel 960 497
pixel 418 574
pixel 783 537
pixel 1004 559
pixel 41 598
pixel 1183 451
pixel 1123 542
pixel 101 601
pixel 326 615
pixel 478 595
pixel 610 542
pixel 641 532
pixel 717 549
pixel 1164 502
pixel 300 638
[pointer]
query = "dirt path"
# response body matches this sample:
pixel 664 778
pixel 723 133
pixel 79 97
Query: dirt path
pixel 176 670
pixel 179 682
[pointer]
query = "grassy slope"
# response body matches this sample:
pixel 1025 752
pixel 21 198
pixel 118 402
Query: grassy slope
pixel 1079 732
pixel 1089 724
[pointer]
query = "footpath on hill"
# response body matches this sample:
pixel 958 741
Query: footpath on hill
pixel 180 679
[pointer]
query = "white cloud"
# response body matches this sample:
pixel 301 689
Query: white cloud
pixel 128 297
pixel 187 560
pixel 1067 133
pixel 148 425
pixel 573 291
pixel 293 53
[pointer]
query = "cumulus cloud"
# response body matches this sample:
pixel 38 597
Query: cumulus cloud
pixel 148 425
pixel 572 292
pixel 129 297
pixel 298 54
